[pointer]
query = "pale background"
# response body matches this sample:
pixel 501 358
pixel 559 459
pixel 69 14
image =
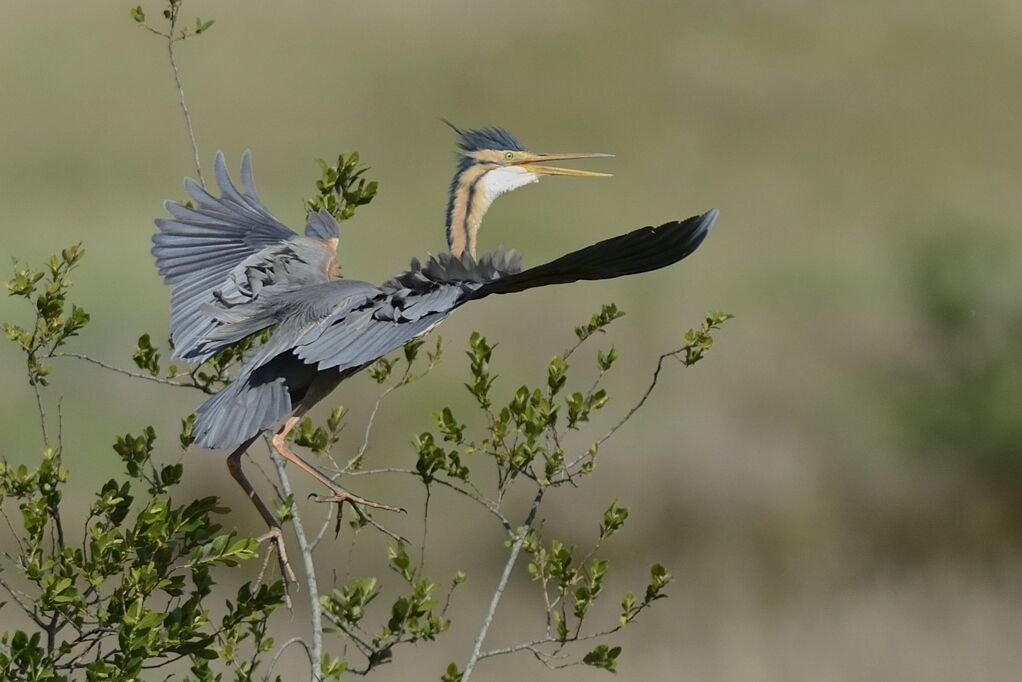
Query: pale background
pixel 814 535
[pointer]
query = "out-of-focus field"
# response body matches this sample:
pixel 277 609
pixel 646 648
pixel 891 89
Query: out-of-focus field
pixel 836 494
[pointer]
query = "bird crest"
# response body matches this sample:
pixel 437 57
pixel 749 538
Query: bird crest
pixel 485 138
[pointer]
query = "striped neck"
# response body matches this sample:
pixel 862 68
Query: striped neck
pixel 466 206
pixel 473 189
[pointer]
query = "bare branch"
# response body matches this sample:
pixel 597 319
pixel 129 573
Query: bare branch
pixel 425 528
pixel 645 396
pixel 631 413
pixel 174 9
pixel 489 505
pixel 357 459
pixel 324 527
pixel 29 610
pixel 39 407
pixel 125 372
pixel 280 652
pixel 316 649
pixel 512 558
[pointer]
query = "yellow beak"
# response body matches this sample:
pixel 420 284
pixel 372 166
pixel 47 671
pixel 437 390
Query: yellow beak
pixel 530 159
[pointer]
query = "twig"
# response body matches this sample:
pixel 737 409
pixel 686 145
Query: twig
pixel 10 525
pixel 323 528
pixel 425 528
pixel 631 413
pixel 525 646
pixel 125 372
pixel 354 461
pixel 512 558
pixel 645 396
pixel 316 650
pixel 174 8
pixel 280 652
pixel 550 639
pixel 29 611
pixel 60 425
pixel 363 646
pixel 478 499
pixel 405 379
pixel 42 411
pixel 55 510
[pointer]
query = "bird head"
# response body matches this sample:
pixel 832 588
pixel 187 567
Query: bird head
pixel 491 162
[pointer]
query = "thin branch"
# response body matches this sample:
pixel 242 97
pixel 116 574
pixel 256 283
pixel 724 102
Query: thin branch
pixel 425 528
pixel 631 413
pixel 280 652
pixel 60 425
pixel 29 610
pixel 490 506
pixel 125 372
pixel 174 8
pixel 316 650
pixel 10 525
pixel 525 646
pixel 406 378
pixel 550 639
pixel 42 411
pixel 512 558
pixel 55 510
pixel 323 528
pixel 155 31
pixel 363 646
pixel 354 461
pixel 645 396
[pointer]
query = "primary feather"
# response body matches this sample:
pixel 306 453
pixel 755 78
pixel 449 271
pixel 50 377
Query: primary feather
pixel 227 251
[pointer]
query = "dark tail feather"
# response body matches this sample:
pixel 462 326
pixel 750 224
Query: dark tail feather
pixel 645 249
pixel 241 411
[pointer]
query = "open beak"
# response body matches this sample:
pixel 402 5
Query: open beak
pixel 531 159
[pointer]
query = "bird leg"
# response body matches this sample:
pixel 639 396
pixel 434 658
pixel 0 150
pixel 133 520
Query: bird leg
pixel 338 494
pixel 275 534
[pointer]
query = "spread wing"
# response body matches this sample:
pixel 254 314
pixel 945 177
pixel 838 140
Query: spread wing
pixel 221 254
pixel 360 329
pixel 647 248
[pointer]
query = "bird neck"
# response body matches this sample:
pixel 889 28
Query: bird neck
pixel 466 207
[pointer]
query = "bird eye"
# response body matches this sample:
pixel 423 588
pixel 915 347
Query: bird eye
pixel 509 156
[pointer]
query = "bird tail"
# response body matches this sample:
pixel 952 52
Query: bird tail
pixel 241 411
pixel 642 250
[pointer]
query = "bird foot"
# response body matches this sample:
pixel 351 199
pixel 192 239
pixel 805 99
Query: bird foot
pixel 341 497
pixel 277 537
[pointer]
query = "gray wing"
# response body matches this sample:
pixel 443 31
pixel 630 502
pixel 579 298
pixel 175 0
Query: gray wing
pixel 303 314
pixel 224 252
pixel 408 306
pixel 352 339
pixel 272 377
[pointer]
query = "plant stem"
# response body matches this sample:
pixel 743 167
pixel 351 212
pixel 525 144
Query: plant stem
pixel 512 559
pixel 174 8
pixel 316 648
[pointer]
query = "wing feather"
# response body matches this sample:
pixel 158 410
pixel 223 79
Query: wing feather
pixel 226 250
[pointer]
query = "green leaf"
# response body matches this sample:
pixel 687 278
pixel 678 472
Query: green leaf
pixel 400 562
pixel 146 356
pixel 613 519
pixel 452 674
pixel 603 657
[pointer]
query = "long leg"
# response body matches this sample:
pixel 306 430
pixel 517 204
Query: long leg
pixel 321 386
pixel 275 533
pixel 338 494
pixel 279 442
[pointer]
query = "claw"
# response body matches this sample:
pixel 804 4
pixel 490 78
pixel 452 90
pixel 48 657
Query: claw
pixel 277 537
pixel 341 496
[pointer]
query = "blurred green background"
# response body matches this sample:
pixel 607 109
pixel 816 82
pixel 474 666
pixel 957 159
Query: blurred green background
pixel 836 488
